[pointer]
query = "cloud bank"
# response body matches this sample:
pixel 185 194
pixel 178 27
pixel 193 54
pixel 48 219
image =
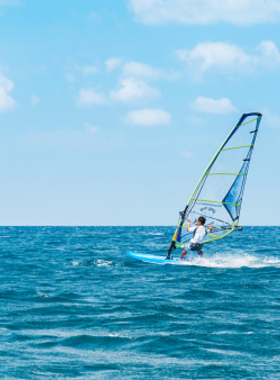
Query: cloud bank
pixel 9 3
pixel 227 57
pixel 209 105
pixel 148 117
pixel 133 89
pixel 205 12
pixel 7 103
pixel 88 97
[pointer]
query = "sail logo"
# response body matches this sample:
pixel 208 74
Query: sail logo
pixel 211 209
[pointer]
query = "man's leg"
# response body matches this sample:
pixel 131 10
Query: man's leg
pixel 183 254
pixel 185 251
pixel 200 253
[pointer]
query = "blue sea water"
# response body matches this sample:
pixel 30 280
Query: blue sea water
pixel 73 305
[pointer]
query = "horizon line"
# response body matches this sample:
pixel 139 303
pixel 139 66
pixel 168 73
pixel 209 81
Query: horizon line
pixel 121 225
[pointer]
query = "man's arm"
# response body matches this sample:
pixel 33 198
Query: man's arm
pixel 189 224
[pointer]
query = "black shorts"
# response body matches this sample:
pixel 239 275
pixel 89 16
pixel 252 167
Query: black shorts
pixel 195 246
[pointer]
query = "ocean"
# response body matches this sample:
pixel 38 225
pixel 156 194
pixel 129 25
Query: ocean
pixel 73 305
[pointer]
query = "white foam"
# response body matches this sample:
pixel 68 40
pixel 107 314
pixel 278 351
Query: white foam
pixel 98 263
pixel 236 260
pixel 153 233
pixel 103 263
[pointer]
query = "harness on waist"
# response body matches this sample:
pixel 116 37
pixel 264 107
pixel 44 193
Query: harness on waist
pixel 195 246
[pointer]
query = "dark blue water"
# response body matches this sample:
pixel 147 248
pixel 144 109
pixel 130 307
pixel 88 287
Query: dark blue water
pixel 74 306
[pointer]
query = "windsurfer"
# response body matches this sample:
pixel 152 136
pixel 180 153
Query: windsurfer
pixel 199 233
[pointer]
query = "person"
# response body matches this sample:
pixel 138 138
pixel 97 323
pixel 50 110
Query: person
pixel 199 233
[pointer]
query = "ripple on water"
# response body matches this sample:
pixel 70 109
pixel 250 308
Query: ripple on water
pixel 74 305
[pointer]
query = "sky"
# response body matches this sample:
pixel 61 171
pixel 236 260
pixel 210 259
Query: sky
pixel 111 110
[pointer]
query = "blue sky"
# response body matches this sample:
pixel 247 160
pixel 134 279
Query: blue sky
pixel 111 110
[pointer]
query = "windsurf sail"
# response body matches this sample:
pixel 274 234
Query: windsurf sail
pixel 219 193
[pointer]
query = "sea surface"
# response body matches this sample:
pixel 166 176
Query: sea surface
pixel 73 305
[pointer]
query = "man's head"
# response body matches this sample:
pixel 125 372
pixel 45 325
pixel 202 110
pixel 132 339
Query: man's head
pixel 201 221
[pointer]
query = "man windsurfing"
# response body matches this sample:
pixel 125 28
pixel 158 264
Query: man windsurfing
pixel 199 234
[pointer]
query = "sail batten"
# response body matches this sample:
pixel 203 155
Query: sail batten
pixel 222 203
pixel 237 147
pixel 226 174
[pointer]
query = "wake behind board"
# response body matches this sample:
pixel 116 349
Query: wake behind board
pixel 154 259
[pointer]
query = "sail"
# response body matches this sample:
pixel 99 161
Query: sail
pixel 219 193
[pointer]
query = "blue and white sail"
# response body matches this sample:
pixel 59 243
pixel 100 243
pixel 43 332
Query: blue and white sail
pixel 219 193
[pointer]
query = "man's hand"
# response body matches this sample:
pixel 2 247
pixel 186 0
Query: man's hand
pixel 189 221
pixel 210 227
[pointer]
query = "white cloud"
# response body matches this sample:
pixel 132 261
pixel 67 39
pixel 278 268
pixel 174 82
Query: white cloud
pixel 89 97
pixel 70 77
pixel 133 89
pixel 219 54
pixel 7 103
pixel 138 69
pixel 145 71
pixel 272 120
pixel 229 57
pixel 113 63
pixel 186 154
pixel 148 117
pixel 94 16
pixel 11 3
pixel 208 105
pixel 92 129
pixel 239 12
pixel 74 70
pixel 89 70
pixel 34 100
pixel 268 53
